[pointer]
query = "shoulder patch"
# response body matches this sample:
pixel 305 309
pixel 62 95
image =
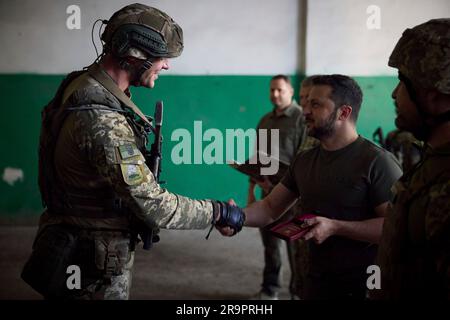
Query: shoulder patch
pixel 132 174
pixel 128 151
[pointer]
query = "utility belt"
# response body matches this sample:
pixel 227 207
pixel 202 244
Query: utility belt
pixel 84 206
pixel 104 206
pixel 97 254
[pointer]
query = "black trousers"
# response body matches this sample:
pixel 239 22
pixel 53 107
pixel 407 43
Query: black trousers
pixel 346 286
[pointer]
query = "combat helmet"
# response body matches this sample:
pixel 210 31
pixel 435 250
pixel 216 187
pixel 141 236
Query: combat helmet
pixel 423 55
pixel 142 32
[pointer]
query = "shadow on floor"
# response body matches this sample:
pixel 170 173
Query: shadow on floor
pixel 182 266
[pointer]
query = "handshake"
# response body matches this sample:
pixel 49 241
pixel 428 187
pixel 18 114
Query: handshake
pixel 228 219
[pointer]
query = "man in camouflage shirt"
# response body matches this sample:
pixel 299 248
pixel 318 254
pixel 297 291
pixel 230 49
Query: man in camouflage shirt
pixel 405 148
pixel 286 117
pixel 300 245
pixel 94 180
pixel 414 252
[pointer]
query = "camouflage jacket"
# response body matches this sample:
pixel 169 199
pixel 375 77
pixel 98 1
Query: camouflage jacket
pixel 97 157
pixel 414 253
pixel 405 147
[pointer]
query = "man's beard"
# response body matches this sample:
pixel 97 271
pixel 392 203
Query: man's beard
pixel 136 73
pixel 136 76
pixel 326 129
pixel 419 129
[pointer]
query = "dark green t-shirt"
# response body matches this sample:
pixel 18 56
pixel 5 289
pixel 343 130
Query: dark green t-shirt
pixel 345 184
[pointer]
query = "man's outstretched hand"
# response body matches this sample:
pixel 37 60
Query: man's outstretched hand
pixel 229 218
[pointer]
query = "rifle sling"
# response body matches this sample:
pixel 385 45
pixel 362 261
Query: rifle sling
pixel 108 83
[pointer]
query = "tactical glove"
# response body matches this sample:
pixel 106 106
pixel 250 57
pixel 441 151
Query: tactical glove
pixel 227 215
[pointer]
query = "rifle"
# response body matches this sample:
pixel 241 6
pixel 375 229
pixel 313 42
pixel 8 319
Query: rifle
pixel 155 154
pixel 153 160
pixel 377 136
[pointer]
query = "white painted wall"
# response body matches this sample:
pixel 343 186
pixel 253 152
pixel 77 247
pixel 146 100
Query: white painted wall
pixel 221 36
pixel 338 40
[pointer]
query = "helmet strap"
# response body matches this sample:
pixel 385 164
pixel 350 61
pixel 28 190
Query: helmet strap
pixel 136 70
pixel 147 64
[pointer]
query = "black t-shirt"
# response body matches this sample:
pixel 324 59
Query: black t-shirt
pixel 346 184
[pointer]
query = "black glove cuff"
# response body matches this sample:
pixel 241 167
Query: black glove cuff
pixel 230 216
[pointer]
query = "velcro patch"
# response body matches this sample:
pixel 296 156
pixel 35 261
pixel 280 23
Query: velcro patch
pixel 128 150
pixel 132 174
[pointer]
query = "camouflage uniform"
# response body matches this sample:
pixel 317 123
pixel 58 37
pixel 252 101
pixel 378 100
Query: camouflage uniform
pixel 291 126
pixel 414 253
pixel 405 148
pixel 300 246
pixel 97 155
pixel 93 176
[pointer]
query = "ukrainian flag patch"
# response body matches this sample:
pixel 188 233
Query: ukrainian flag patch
pixel 132 174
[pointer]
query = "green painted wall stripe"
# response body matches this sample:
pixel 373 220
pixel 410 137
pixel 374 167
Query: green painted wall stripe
pixel 219 101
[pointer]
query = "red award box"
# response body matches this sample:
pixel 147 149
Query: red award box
pixel 292 229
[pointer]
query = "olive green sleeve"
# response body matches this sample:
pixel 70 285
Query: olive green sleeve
pixel 384 172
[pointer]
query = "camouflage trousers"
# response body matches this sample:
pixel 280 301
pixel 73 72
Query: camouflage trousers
pixel 272 259
pixel 272 263
pixel 107 271
pixel 297 253
pixel 68 262
pixel 115 288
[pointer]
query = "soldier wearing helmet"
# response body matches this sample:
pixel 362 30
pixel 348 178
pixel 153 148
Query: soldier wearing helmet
pixel 94 180
pixel 142 39
pixel 414 254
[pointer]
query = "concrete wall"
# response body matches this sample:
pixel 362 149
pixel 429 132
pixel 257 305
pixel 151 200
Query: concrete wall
pixel 221 37
pixel 232 48
pixel 339 40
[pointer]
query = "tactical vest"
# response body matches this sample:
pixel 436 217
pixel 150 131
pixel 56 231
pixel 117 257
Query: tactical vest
pixel 405 148
pixel 406 249
pixel 54 193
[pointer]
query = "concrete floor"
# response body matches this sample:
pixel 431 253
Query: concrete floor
pixel 183 265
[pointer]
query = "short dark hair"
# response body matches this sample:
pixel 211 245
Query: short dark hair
pixel 308 81
pixel 281 77
pixel 345 91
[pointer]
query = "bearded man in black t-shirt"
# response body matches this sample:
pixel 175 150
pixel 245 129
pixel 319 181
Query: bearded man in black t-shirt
pixel 345 182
